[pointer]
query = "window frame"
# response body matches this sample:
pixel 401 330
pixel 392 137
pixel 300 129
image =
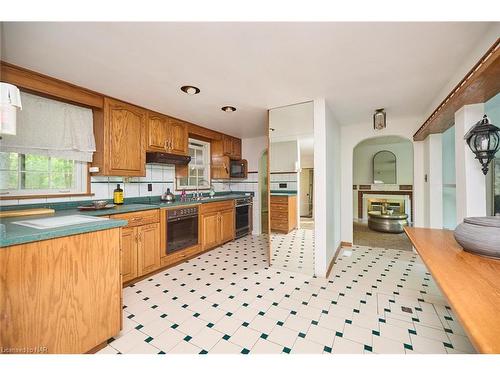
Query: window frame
pixel 82 186
pixel 207 163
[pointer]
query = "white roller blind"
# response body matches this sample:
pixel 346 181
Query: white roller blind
pixel 51 128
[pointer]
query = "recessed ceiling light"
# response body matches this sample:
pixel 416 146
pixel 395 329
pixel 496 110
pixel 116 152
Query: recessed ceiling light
pixel 190 90
pixel 228 108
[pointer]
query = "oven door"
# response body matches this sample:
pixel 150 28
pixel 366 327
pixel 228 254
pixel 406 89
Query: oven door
pixel 181 233
pixel 243 220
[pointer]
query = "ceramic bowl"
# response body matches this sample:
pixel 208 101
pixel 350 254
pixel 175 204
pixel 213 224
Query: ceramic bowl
pixel 99 204
pixel 480 235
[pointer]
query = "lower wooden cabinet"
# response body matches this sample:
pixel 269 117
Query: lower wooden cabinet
pixel 210 230
pixel 129 254
pixel 217 222
pixel 140 248
pixel 148 249
pixel 283 212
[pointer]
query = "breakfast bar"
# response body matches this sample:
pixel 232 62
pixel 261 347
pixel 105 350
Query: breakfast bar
pixel 471 284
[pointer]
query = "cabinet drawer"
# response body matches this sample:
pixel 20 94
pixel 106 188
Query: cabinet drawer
pixel 217 206
pixel 279 199
pixel 279 215
pixel 279 207
pixel 139 218
pixel 279 225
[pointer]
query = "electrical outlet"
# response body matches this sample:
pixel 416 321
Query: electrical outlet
pixel 150 187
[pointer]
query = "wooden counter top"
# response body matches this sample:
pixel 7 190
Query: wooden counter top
pixel 471 284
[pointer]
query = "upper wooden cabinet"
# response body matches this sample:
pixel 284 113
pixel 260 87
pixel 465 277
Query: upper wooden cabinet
pixel 227 146
pixel 166 134
pixel 120 135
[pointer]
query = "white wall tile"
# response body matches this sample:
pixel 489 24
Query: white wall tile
pixel 9 202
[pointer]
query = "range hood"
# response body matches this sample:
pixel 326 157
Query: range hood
pixel 164 158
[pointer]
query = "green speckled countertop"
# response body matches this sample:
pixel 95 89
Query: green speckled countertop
pixel 283 192
pixel 13 234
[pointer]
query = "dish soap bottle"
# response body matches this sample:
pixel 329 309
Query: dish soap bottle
pixel 118 195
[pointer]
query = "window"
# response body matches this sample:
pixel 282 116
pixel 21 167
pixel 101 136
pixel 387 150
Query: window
pixel 198 168
pixel 27 174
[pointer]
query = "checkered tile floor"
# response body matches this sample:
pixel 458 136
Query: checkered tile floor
pixel 293 251
pixel 228 301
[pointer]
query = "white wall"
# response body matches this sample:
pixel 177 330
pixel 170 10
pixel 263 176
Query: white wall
pixel 363 162
pixel 434 185
pixel 352 136
pixel 327 173
pixel 252 149
pixel 284 156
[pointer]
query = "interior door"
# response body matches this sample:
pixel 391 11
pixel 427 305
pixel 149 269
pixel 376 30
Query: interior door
pixel 227 225
pixel 209 230
pixel 149 248
pixel 129 254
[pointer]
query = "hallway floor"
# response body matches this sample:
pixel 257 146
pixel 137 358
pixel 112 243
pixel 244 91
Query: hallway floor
pixel 293 251
pixel 229 301
pixel 364 236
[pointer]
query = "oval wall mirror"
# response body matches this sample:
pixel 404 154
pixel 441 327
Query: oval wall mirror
pixel 384 167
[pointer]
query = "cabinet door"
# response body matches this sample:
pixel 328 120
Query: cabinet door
pixel 178 137
pixel 157 132
pixel 126 135
pixel 148 252
pixel 226 225
pixel 129 254
pixel 209 230
pixel 236 150
pixel 227 145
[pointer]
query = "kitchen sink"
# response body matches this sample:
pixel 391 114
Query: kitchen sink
pixel 59 221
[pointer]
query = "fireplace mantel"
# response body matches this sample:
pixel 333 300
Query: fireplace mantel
pixel 366 189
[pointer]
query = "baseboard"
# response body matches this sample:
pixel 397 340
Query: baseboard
pixel 334 258
pixel 346 244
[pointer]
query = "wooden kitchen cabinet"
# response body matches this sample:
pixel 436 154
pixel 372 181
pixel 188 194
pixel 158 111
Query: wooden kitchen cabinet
pixel 129 254
pixel 148 249
pixel 141 250
pixel 166 134
pixel 217 222
pixel 120 136
pixel 227 225
pixel 227 146
pixel 236 149
pixel 210 236
pixel 283 213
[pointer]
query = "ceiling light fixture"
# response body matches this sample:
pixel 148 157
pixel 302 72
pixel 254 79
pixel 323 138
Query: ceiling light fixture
pixel 228 108
pixel 190 90
pixel 379 119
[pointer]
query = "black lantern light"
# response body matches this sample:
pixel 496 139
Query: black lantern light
pixel 379 119
pixel 484 141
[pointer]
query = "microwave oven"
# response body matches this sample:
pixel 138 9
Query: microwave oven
pixel 238 169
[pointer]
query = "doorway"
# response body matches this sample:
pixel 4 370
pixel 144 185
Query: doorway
pixel 306 198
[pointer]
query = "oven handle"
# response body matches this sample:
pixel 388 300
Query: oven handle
pixel 243 205
pixel 174 219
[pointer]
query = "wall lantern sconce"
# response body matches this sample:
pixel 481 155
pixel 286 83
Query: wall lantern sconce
pixel 379 119
pixel 484 141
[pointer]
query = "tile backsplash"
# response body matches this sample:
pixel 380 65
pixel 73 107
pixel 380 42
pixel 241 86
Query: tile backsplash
pixel 160 177
pixel 284 181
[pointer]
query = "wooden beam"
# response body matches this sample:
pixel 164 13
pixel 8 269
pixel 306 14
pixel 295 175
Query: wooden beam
pixel 480 84
pixel 41 84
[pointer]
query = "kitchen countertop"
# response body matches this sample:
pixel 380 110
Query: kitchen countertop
pixel 14 234
pixel 470 282
pixel 284 193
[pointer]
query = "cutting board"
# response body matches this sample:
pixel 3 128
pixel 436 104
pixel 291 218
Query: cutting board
pixel 28 212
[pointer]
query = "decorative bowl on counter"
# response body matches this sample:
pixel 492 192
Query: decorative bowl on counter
pixel 100 204
pixel 480 235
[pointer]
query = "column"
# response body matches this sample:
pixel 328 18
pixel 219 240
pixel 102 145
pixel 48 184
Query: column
pixel 471 183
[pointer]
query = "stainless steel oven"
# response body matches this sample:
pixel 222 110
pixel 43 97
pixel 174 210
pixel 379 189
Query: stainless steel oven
pixel 243 216
pixel 182 228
